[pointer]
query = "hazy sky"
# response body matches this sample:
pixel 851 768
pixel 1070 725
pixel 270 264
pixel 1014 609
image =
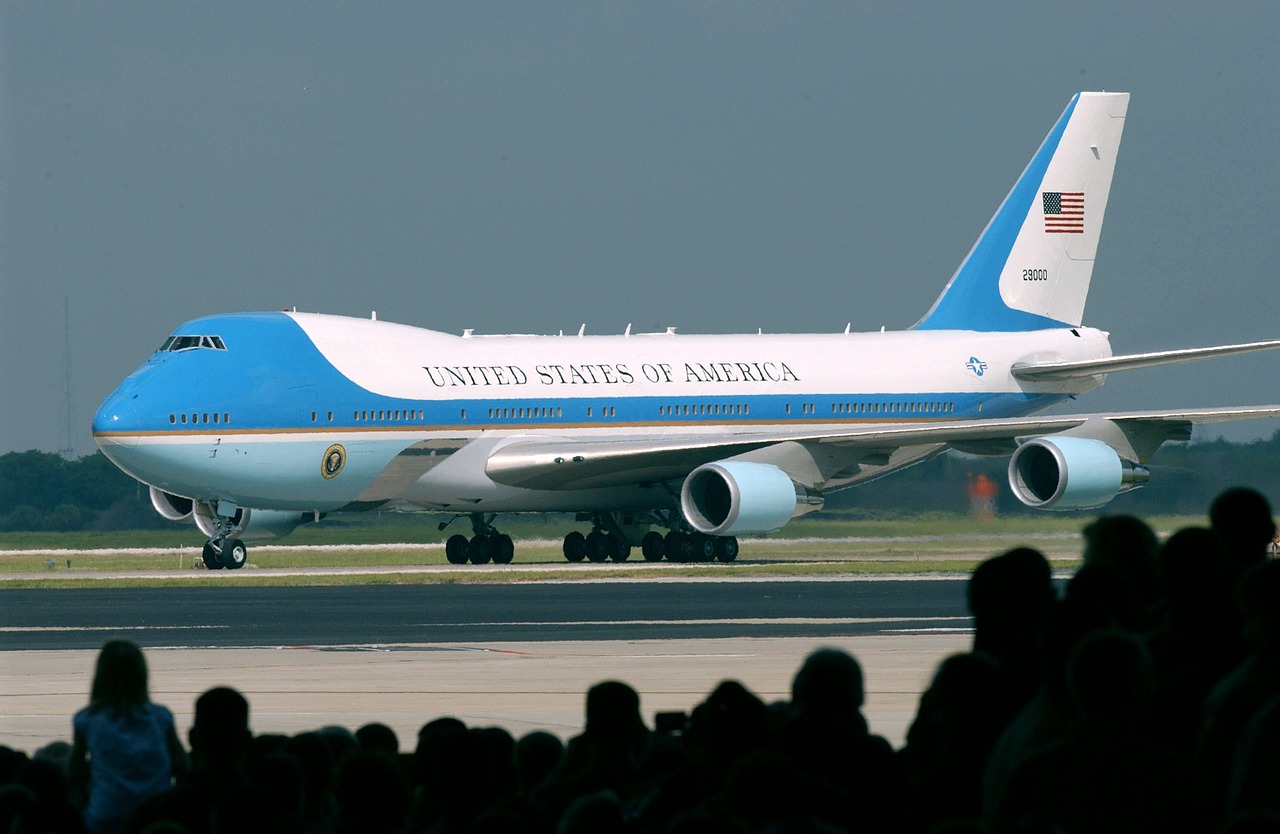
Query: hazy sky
pixel 532 166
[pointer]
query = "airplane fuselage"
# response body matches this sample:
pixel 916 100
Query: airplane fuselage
pixel 248 411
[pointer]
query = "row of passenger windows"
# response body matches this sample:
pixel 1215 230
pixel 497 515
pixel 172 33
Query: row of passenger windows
pixel 893 408
pixel 395 415
pixel 197 418
pixel 404 415
pixel 695 410
pixel 525 413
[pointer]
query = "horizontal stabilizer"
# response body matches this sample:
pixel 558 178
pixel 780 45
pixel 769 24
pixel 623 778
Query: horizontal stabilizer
pixel 1057 371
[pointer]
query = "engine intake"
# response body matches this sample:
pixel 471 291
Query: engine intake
pixel 1071 473
pixel 171 507
pixel 741 498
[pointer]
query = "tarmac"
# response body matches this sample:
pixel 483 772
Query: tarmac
pixel 520 686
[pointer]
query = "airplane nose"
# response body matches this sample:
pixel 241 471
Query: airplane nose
pixel 116 424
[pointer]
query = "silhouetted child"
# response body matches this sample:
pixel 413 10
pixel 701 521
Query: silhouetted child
pixel 125 747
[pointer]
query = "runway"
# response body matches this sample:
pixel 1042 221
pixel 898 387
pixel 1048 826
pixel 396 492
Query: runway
pixel 519 656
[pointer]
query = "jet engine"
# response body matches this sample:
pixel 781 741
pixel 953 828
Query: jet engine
pixel 172 507
pixel 1071 473
pixel 741 498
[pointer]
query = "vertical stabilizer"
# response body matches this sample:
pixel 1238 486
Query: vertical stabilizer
pixel 1032 265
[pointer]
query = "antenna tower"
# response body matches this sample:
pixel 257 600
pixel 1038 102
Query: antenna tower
pixel 68 449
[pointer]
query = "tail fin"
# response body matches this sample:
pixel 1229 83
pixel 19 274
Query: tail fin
pixel 1031 267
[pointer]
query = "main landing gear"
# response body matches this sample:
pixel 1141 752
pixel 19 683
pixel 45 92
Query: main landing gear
pixel 485 545
pixel 610 539
pixel 679 546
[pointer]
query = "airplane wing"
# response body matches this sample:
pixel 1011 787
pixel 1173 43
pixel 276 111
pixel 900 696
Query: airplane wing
pixel 569 463
pixel 1053 371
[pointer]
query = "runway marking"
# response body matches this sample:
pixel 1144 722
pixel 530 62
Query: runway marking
pixel 729 621
pixel 40 629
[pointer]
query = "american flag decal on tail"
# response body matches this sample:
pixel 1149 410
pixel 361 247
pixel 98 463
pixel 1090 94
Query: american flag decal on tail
pixel 1063 212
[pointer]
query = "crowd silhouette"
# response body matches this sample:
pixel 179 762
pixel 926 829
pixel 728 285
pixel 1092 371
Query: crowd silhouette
pixel 1143 697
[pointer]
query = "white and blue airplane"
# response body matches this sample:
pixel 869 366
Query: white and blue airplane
pixel 253 423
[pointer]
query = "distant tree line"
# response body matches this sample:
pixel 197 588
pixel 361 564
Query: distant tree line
pixel 41 491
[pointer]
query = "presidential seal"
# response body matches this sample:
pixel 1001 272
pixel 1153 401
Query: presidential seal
pixel 335 457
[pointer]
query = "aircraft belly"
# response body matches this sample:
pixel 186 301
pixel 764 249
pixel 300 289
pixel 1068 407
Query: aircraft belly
pixel 262 472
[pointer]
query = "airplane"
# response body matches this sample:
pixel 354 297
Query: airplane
pixel 254 423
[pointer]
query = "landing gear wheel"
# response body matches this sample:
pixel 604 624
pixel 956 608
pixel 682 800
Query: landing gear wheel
pixel 504 549
pixel 480 549
pixel 619 550
pixel 651 546
pixel 234 554
pixel 575 546
pixel 704 547
pixel 678 547
pixel 598 546
pixel 726 548
pixel 211 556
pixel 455 550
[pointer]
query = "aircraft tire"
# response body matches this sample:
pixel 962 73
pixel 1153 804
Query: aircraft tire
pixel 575 546
pixel 678 547
pixel 704 548
pixel 455 549
pixel 212 558
pixel 234 554
pixel 619 550
pixel 726 548
pixel 504 549
pixel 651 546
pixel 598 546
pixel 480 550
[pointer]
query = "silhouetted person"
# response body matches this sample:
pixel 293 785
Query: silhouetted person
pixel 961 716
pixel 430 766
pixel 1128 546
pixel 372 794
pixel 1110 772
pixel 1242 517
pixel 221 742
pixel 51 809
pixel 125 748
pixel 855 781
pixel 314 752
pixel 1052 710
pixel 1009 596
pixel 379 737
pixel 537 755
pixel 1247 689
pixel 1254 785
pixel 1198 639
pixel 606 755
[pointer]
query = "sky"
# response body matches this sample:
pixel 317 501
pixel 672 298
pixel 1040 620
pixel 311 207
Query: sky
pixel 530 167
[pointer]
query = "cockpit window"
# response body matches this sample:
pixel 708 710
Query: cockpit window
pixel 173 344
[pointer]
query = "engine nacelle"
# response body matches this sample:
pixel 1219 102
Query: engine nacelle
pixel 741 498
pixel 172 507
pixel 1071 473
pixel 253 525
